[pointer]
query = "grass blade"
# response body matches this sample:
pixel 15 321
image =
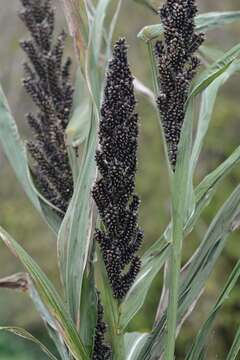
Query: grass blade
pixel 16 153
pixel 199 269
pixel 26 335
pixel 235 348
pixel 204 332
pixel 49 297
pixel 214 71
pixel 138 292
pixel 207 106
pixel 133 342
pixel 74 242
pixel 14 149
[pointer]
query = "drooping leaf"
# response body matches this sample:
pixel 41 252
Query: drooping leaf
pixel 50 298
pixel 26 335
pixel 15 151
pixel 204 22
pixel 23 282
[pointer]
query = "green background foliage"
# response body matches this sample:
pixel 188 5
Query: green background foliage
pixel 21 220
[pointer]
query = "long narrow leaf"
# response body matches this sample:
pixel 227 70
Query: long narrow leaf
pixel 204 332
pixel 49 297
pixel 226 221
pixel 214 71
pixel 16 153
pixel 75 233
pixel 235 348
pixel 26 335
pixel 138 292
pixel 134 342
pixel 14 148
pixel 207 107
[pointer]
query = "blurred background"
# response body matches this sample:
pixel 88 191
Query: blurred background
pixel 20 219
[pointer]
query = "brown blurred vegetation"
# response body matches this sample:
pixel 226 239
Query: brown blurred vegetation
pixel 20 219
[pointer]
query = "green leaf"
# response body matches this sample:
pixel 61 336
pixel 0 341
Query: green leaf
pixel 199 269
pixel 49 298
pixel 23 282
pixel 204 332
pixel 26 335
pixel 139 290
pixel 79 125
pixel 235 348
pixel 74 242
pixel 14 149
pixel 204 22
pixel 183 204
pixel 111 313
pixel 134 342
pixel 203 195
pixel 214 71
pixel 95 73
pixel 206 111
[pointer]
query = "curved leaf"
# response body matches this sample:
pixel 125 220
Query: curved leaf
pixel 133 343
pixel 204 332
pixel 198 271
pixel 26 335
pixel 49 297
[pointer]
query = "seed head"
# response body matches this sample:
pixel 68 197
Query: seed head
pixel 177 67
pixel 47 82
pixel 114 192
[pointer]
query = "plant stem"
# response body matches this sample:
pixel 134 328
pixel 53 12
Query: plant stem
pixel 175 267
pixel 182 197
pixel 112 314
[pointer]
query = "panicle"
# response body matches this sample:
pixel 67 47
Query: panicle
pixel 101 351
pixel 114 192
pixel 177 67
pixel 47 82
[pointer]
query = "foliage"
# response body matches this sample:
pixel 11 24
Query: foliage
pixel 71 318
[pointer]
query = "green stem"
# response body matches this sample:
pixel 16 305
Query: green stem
pixel 112 314
pixel 182 198
pixel 175 267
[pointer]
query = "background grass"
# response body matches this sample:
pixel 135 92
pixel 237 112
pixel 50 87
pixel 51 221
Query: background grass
pixel 20 219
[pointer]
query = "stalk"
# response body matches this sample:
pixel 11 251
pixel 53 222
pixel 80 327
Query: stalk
pixel 181 194
pixel 175 267
pixel 112 314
